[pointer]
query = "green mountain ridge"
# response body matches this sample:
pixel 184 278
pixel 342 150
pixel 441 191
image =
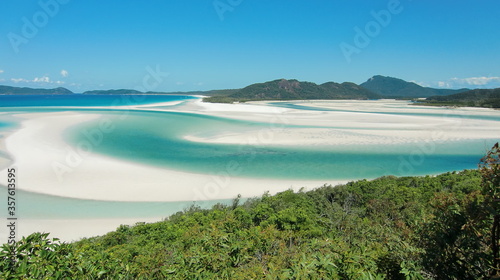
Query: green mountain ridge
pixel 284 89
pixel 8 90
pixel 398 88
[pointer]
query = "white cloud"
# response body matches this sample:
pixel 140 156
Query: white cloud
pixel 19 80
pixel 64 73
pixel 482 82
pixel 444 84
pixel 477 81
pixel 43 79
pixel 1 71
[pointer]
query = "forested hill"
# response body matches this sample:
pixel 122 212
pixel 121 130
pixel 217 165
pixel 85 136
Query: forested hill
pixel 396 88
pixel 488 98
pixel 8 90
pixel 433 227
pixel 294 90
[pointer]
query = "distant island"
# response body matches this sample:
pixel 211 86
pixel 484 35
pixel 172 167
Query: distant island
pixel 377 87
pixel 390 87
pixel 8 90
pixel 113 91
pixel 487 98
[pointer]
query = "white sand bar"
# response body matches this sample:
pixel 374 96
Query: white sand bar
pixel 365 122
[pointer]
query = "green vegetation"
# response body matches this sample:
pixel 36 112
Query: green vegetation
pixel 396 88
pixel 432 227
pixel 217 92
pixel 488 98
pixel 295 90
pixel 222 99
pixel 32 91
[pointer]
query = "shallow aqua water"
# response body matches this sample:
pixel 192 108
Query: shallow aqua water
pixel 155 138
pixel 40 206
pixel 4 125
pixel 7 123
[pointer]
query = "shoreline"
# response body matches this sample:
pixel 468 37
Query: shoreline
pixel 5 157
pixel 70 230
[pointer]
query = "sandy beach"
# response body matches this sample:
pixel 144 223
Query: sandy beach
pixel 359 126
pixel 47 164
pixel 68 230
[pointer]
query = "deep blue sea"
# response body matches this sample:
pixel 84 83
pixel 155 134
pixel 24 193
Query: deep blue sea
pixel 77 100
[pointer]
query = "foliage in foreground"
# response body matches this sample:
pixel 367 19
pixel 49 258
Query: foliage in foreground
pixel 389 228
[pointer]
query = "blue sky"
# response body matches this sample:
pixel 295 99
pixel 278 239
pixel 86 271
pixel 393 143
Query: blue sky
pixel 205 44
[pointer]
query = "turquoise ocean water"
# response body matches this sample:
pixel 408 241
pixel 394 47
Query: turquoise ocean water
pixel 159 142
